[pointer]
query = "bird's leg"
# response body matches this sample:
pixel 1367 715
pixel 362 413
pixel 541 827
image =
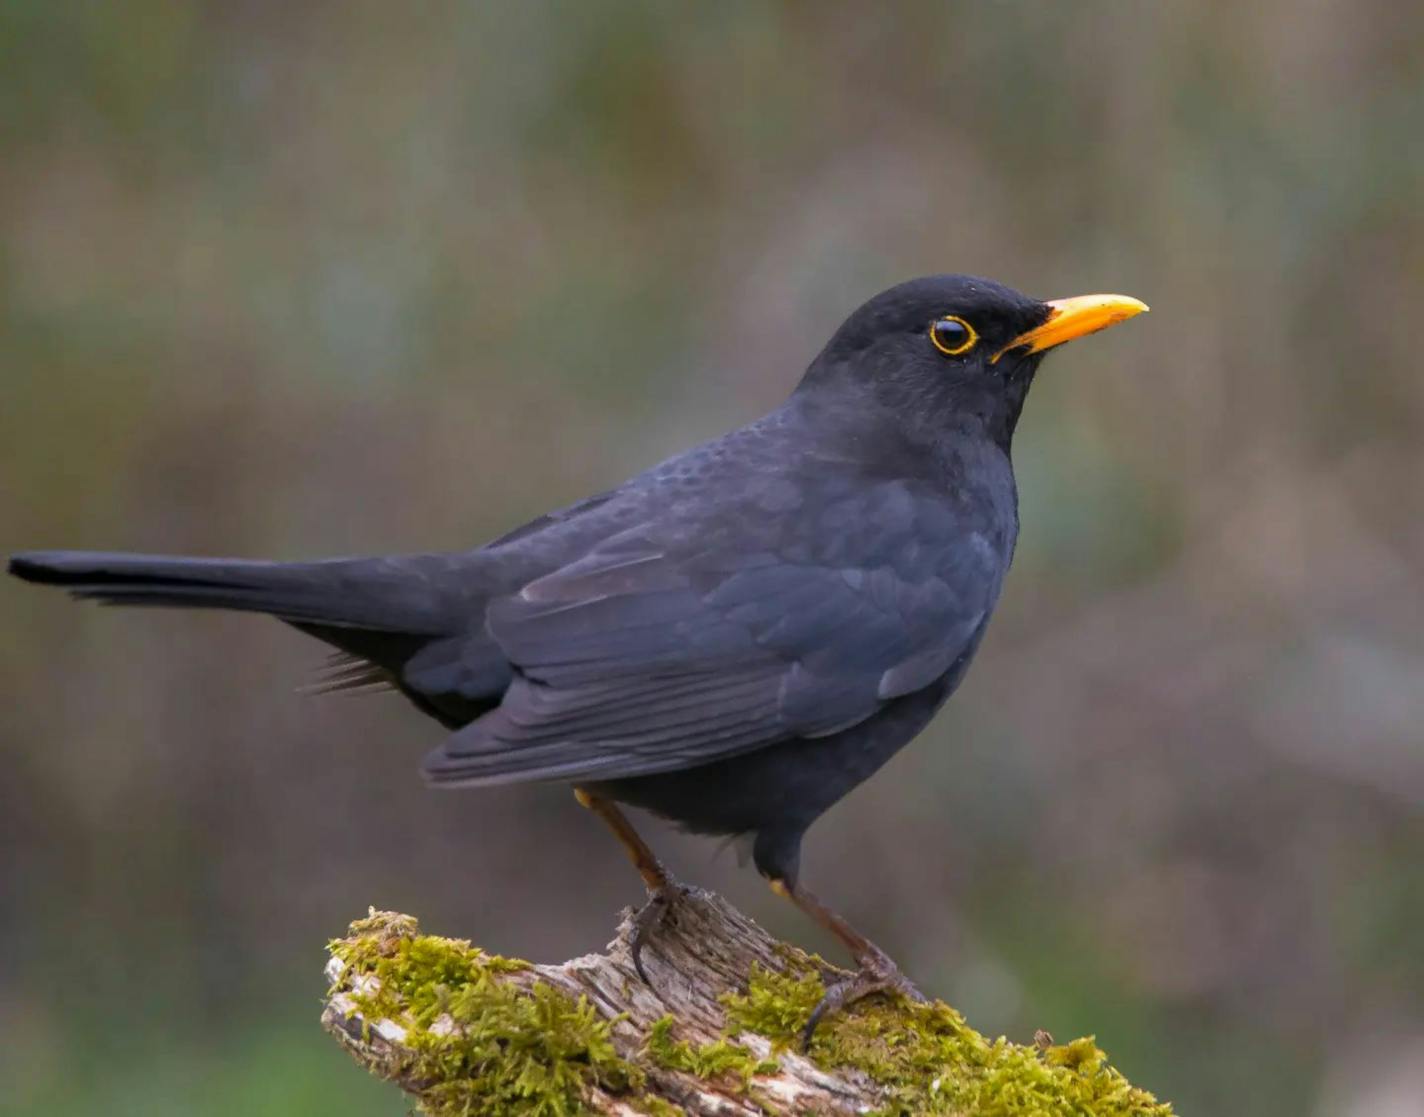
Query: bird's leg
pixel 876 972
pixel 662 887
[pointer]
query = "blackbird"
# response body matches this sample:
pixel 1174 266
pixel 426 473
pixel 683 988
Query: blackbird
pixel 733 639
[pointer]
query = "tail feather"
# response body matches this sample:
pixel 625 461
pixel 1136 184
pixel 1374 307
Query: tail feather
pixel 346 673
pixel 408 621
pixel 384 595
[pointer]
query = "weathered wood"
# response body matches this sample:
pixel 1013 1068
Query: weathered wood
pixel 673 1048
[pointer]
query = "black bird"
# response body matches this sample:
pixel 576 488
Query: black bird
pixel 733 639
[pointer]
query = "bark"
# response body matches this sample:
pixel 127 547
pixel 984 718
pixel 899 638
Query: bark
pixel 705 952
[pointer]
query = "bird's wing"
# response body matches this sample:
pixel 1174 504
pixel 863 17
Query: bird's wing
pixel 643 658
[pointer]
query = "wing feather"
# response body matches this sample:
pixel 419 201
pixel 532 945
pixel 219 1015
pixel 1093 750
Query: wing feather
pixel 649 655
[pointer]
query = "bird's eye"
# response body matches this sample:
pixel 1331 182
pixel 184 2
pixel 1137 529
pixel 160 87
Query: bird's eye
pixel 952 335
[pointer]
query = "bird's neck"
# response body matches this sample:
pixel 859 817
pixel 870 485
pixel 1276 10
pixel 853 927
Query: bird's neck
pixel 925 422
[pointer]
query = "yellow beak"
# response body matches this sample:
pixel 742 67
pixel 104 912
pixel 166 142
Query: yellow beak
pixel 1076 317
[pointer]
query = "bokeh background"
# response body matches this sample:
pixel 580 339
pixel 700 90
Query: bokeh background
pixel 298 280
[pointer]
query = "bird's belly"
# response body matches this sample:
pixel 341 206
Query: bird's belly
pixel 785 786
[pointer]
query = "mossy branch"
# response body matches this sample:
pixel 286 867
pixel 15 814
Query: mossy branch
pixel 465 1032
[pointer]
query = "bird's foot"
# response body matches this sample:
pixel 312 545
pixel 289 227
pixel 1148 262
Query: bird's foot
pixel 648 918
pixel 877 974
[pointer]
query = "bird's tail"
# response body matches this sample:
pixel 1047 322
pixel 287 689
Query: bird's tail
pixel 382 595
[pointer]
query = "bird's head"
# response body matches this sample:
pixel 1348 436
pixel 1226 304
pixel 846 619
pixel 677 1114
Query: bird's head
pixel 957 346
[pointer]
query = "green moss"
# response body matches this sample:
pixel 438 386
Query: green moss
pixel 486 1046
pixel 708 1060
pixel 775 1005
pixel 931 1062
pixel 655 1106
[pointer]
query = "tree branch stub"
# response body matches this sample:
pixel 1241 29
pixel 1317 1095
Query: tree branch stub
pixel 714 1036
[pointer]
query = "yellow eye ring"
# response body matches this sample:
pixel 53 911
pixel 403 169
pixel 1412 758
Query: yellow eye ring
pixel 952 335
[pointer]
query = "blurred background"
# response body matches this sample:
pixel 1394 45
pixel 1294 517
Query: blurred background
pixel 301 280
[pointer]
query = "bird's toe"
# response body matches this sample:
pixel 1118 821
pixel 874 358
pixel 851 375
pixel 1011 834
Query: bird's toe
pixel 877 974
pixel 649 918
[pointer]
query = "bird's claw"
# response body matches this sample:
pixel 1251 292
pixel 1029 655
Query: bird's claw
pixel 877 974
pixel 649 918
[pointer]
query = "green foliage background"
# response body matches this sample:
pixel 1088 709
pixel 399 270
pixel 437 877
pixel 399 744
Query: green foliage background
pixel 309 279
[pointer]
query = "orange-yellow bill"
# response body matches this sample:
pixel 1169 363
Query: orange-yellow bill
pixel 1076 317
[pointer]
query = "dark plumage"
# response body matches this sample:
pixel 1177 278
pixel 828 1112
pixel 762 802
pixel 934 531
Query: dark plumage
pixel 733 639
